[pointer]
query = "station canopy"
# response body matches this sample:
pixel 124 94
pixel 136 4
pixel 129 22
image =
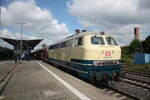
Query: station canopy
pixel 26 44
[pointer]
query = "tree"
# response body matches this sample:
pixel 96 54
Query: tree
pixel 146 45
pixel 134 45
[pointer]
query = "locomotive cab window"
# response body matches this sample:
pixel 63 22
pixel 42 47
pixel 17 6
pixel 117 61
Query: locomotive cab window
pixel 97 40
pixel 111 41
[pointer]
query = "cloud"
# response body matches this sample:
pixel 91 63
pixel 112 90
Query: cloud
pixel 144 4
pixel 8 34
pixel 119 16
pixel 107 11
pixel 38 20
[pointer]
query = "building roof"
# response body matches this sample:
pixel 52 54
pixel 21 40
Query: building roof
pixel 25 43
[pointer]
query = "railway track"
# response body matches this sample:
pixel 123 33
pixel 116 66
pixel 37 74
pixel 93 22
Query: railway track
pixel 134 85
pixel 136 90
pixel 131 89
pixel 136 76
pixel 117 90
pixel 137 73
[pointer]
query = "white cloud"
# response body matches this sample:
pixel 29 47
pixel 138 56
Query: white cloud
pixel 113 16
pixel 104 11
pixel 38 20
pixel 8 34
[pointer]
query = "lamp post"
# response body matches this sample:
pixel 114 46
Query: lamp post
pixel 0 13
pixel 21 23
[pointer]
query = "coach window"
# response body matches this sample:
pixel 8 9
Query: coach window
pixel 49 48
pixel 80 41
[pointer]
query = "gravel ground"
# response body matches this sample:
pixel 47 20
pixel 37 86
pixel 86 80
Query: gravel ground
pixel 137 77
pixel 143 94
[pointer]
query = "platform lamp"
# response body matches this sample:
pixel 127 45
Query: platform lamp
pixel 21 23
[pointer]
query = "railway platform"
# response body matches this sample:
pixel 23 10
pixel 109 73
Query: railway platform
pixel 36 80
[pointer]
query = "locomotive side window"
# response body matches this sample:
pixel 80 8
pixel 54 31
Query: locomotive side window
pixel 75 41
pixel 80 41
pixel 111 41
pixel 97 40
pixel 63 45
pixel 69 43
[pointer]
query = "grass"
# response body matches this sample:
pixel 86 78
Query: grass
pixel 144 68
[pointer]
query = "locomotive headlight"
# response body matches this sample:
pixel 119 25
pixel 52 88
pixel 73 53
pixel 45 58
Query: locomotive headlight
pixel 117 62
pixel 97 63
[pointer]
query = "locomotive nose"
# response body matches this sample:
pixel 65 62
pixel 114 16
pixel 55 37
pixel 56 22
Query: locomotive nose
pixel 110 54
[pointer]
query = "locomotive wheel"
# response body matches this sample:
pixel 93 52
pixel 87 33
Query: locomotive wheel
pixel 103 82
pixel 117 78
pixel 94 81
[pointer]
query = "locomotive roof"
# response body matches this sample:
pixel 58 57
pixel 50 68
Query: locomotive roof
pixel 79 35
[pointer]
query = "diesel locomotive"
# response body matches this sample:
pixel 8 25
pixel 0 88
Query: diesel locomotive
pixel 91 55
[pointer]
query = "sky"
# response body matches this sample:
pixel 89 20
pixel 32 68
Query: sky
pixel 53 20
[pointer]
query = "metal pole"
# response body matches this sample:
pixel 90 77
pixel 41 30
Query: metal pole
pixel 21 42
pixel 0 12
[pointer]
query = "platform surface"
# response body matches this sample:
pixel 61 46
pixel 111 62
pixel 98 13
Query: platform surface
pixel 30 81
